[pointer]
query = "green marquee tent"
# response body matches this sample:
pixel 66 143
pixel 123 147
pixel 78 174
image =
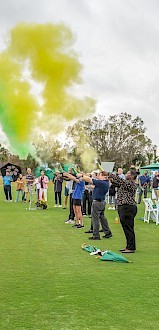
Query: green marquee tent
pixel 152 167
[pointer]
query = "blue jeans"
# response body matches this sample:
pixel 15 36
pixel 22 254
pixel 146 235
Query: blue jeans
pixel 18 194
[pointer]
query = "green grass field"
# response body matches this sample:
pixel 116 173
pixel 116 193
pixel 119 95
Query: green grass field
pixel 48 282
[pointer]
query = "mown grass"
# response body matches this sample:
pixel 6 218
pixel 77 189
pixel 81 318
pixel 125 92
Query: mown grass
pixel 48 282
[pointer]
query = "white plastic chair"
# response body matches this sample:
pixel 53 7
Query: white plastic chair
pixel 157 218
pixel 151 213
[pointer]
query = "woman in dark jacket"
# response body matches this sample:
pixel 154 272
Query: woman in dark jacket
pixel 58 189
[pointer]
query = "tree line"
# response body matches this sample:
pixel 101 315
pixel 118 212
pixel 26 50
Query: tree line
pixel 119 138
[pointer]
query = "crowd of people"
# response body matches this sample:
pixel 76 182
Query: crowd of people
pixel 146 181
pixel 25 185
pixel 86 195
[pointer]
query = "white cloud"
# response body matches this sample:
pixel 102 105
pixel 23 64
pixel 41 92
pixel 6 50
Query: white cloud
pixel 118 45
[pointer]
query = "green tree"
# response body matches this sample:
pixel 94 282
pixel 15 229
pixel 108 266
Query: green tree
pixel 149 156
pixel 119 138
pixel 4 155
pixel 50 151
pixel 31 162
pixel 139 160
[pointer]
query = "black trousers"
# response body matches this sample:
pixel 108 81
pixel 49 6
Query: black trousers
pixel 140 194
pixel 91 201
pixel 7 191
pixel 127 214
pixel 58 197
pixel 71 215
pixel 85 200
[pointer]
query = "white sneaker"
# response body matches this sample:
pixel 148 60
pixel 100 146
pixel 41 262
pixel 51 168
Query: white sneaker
pixel 6 200
pixel 59 205
pixel 109 208
pixel 55 205
pixel 69 221
pixel 11 201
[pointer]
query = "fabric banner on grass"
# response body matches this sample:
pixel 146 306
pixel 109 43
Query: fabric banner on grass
pixel 112 256
pixel 104 255
pixel 89 248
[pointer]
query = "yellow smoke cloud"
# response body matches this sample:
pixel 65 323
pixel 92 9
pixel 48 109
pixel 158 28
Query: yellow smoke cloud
pixel 47 51
pixel 86 154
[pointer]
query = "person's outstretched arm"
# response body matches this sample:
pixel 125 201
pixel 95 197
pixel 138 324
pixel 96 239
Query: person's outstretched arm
pixel 71 177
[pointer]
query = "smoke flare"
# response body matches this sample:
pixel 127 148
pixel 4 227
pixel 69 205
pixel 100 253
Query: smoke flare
pixel 46 50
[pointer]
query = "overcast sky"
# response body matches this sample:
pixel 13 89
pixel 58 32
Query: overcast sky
pixel 118 45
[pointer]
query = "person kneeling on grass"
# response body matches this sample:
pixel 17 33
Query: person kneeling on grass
pixel 77 199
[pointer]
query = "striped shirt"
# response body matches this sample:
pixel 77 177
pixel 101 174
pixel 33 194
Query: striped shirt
pixel 29 179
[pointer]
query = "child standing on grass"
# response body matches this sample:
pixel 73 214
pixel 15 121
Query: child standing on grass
pixel 20 188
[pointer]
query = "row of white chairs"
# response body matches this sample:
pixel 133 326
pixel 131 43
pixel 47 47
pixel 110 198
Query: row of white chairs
pixel 151 210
